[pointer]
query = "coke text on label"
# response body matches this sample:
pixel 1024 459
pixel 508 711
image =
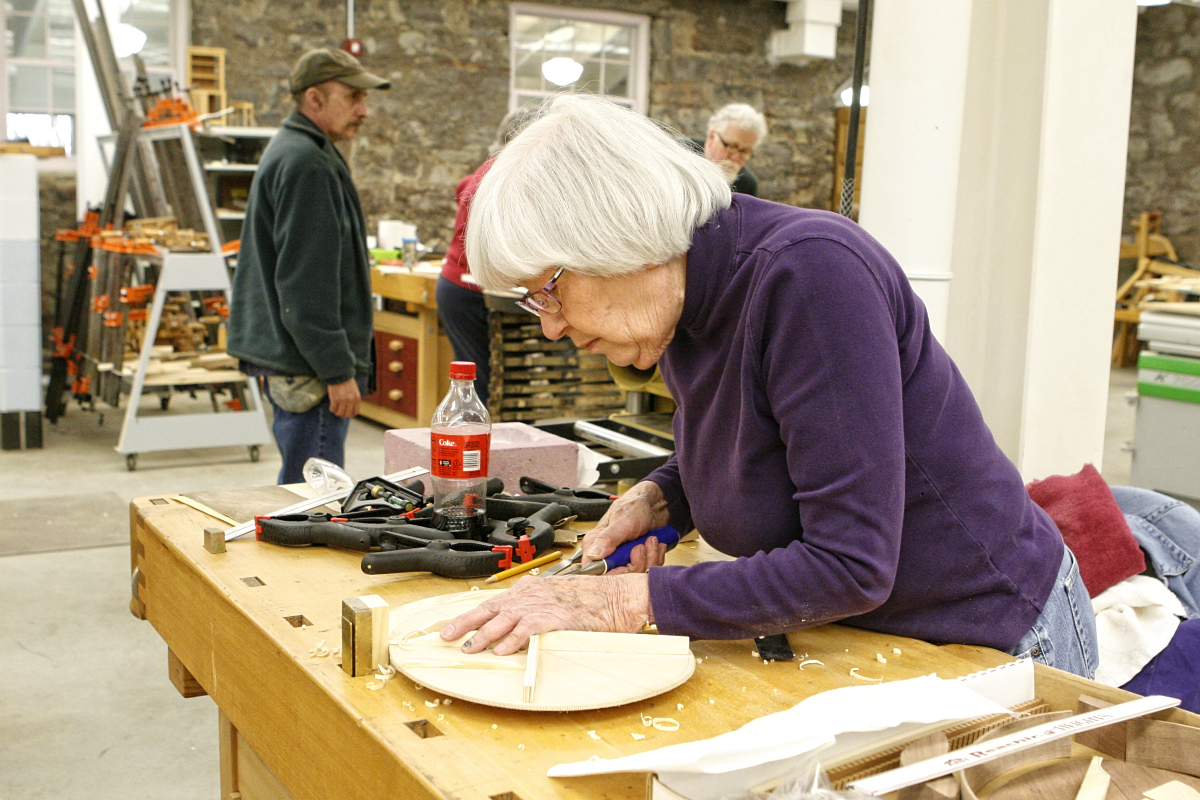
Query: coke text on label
pixel 463 456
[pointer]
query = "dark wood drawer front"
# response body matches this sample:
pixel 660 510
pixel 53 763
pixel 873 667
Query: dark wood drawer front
pixel 395 373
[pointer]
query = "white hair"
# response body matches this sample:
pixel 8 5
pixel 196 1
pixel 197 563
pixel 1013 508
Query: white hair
pixel 590 186
pixel 741 115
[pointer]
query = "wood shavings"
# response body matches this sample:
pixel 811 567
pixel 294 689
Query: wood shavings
pixel 593 758
pixel 595 736
pixel 441 717
pixel 409 705
pixel 318 650
pixel 520 747
pixel 854 674
pixel 433 703
pixel 535 571
pixel 447 701
pixel 495 726
pixel 803 664
pixel 647 720
pixel 895 651
pixel 710 700
pixel 474 588
pixel 382 677
pixel 879 657
pixel 679 706
pixel 665 724
pixel 637 737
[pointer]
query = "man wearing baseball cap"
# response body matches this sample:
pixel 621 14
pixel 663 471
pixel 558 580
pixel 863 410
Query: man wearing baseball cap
pixel 301 313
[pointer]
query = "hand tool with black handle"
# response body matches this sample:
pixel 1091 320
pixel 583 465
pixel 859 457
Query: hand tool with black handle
pixel 620 557
pixel 460 558
pixel 586 508
pixel 538 527
pixel 302 530
pixel 377 493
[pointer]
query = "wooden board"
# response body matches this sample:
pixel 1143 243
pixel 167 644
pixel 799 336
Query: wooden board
pixel 1056 781
pixel 576 670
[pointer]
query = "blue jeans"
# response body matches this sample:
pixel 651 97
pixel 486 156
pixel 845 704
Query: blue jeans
pixel 1169 532
pixel 317 433
pixel 1064 635
pixel 464 317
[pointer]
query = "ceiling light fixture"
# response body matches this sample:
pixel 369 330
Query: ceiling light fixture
pixel 127 40
pixel 562 71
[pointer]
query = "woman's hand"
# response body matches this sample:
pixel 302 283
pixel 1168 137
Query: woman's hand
pixel 631 515
pixel 617 604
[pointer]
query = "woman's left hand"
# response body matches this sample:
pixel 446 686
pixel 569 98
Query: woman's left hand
pixel 615 603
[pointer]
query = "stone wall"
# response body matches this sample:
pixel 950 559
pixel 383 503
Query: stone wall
pixel 57 202
pixel 448 62
pixel 1163 168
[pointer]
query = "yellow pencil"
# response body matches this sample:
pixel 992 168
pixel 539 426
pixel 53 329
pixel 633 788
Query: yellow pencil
pixel 528 565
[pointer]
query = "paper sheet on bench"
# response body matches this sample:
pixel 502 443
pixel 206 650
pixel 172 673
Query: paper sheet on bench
pixel 813 723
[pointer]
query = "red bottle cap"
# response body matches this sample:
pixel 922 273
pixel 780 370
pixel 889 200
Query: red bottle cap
pixel 462 370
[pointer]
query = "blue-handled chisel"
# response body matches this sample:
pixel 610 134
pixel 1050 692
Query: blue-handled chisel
pixel 620 557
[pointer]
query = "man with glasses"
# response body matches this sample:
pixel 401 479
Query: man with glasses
pixel 733 133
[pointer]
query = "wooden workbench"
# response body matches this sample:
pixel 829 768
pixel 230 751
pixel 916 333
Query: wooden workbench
pixel 240 626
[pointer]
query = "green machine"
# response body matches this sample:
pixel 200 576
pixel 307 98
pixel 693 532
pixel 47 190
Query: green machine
pixel 1166 455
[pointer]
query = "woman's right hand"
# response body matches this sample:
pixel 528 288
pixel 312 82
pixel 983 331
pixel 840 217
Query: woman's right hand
pixel 631 515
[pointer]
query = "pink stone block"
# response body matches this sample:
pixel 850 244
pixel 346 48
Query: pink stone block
pixel 518 450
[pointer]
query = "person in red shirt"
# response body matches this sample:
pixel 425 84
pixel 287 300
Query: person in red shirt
pixel 461 309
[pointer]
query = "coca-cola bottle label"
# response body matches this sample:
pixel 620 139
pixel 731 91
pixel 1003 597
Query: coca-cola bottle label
pixel 460 456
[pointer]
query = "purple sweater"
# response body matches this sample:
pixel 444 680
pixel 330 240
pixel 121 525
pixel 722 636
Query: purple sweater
pixel 825 438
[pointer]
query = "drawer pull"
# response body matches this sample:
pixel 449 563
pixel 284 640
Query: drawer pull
pixel 396 366
pixel 395 395
pixel 396 345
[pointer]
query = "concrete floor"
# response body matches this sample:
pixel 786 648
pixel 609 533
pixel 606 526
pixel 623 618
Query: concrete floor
pixel 86 709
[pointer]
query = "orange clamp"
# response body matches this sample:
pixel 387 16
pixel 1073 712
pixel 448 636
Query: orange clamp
pixel 506 555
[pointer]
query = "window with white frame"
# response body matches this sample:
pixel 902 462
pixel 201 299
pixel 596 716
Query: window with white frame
pixel 38 96
pixel 555 49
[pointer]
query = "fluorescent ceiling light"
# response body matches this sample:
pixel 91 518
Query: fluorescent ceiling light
pixel 847 96
pixel 562 71
pixel 127 40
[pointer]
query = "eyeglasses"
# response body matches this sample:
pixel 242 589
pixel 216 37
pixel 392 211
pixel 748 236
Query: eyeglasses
pixel 537 302
pixel 736 149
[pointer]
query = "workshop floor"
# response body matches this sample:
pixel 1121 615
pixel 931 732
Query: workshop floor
pixel 86 709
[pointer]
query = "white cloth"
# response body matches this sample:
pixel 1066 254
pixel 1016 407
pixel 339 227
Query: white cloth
pixel 1135 620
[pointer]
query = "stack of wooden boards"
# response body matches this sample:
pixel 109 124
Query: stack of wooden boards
pixel 534 378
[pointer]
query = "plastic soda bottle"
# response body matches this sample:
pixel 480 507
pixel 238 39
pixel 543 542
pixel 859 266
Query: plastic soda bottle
pixel 460 438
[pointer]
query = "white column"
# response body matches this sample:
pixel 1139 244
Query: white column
pixel 1032 224
pixel 911 152
pixel 1077 233
pixel 20 286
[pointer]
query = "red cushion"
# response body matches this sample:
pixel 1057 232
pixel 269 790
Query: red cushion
pixel 1092 525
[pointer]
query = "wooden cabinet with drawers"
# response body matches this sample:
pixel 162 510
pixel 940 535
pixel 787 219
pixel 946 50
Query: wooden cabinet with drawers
pixel 412 355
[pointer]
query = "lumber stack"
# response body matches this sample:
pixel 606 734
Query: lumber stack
pixel 534 378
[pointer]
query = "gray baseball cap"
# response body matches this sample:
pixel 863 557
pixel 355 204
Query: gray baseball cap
pixel 327 64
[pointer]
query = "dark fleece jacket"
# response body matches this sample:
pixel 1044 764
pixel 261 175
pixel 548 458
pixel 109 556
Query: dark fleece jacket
pixel 301 300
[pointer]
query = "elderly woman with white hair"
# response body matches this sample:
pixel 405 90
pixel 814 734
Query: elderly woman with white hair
pixel 823 437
